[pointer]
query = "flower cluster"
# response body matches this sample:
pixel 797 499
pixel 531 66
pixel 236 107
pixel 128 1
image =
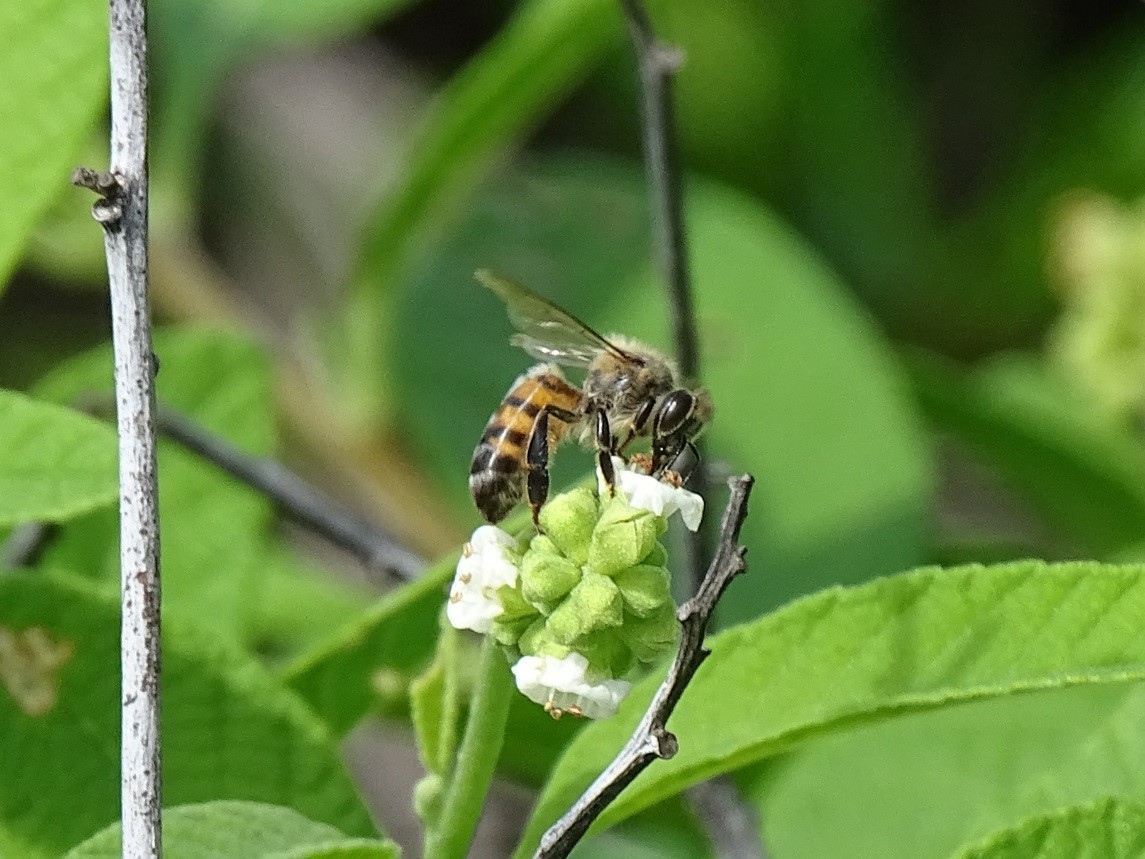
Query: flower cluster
pixel 585 602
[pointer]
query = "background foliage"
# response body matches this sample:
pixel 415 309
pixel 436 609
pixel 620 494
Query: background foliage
pixel 917 245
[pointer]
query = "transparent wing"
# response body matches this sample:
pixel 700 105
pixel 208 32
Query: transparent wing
pixel 547 332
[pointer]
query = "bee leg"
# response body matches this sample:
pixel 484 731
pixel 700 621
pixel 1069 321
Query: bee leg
pixel 537 461
pixel 639 421
pixel 605 448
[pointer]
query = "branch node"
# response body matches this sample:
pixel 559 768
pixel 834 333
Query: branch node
pixel 112 189
pixel 103 182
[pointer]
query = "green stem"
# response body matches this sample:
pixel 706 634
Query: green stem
pixel 449 837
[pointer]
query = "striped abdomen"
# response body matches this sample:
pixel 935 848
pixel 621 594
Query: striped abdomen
pixel 497 476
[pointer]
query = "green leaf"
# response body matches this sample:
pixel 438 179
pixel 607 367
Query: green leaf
pixel 54 69
pixel 535 59
pixel 346 676
pixel 807 397
pixel 1082 474
pixel 230 731
pixel 1108 829
pixel 298 604
pixel 923 784
pixel 241 830
pixel 910 642
pixel 215 532
pixel 435 704
pixel 55 464
pixel 368 664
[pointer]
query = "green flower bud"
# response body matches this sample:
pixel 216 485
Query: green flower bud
pixel 607 653
pixel 645 589
pixel 544 543
pixel 536 641
pixel 515 617
pixel 658 557
pixel 595 603
pixel 568 520
pixel 428 795
pixel 546 577
pixel 623 537
pixel 651 637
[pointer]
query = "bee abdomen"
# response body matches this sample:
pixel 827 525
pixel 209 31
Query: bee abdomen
pixel 495 481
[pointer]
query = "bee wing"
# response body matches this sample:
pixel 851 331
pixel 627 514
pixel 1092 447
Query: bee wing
pixel 547 332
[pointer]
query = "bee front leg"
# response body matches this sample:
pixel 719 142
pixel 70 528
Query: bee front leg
pixel 605 448
pixel 639 422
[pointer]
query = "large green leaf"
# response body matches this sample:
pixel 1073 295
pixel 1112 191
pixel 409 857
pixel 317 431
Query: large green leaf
pixel 55 464
pixel 910 642
pixel 1087 477
pixel 536 58
pixel 229 730
pixel 1107 829
pixel 214 531
pixel 923 784
pixel 241 830
pixel 54 68
pixel 806 396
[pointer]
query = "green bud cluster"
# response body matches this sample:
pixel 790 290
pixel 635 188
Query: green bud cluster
pixel 593 583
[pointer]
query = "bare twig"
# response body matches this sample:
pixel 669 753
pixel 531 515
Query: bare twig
pixel 657 65
pixel 122 212
pixel 297 499
pixel 651 739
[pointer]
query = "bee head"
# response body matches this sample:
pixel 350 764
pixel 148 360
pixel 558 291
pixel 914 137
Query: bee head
pixel 680 418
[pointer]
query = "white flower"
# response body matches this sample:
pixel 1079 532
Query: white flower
pixel 562 686
pixel 659 498
pixel 483 568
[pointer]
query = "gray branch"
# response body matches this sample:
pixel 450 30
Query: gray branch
pixel 296 498
pixel 652 739
pixel 122 211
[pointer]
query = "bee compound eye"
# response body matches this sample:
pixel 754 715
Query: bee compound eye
pixel 673 412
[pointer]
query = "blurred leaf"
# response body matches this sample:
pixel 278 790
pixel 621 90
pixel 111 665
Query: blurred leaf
pixel 388 643
pixel 1083 132
pixel 1107 829
pixel 547 47
pixel 435 705
pixel 806 396
pixel 846 656
pixel 241 830
pixel 665 831
pixel 854 172
pixel 368 664
pixel 1086 476
pixel 196 44
pixel 214 531
pixel 55 463
pixel 54 69
pixel 229 730
pixel 923 784
pixel 297 605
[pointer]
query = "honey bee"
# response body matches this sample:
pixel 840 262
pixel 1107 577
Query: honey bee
pixel 630 391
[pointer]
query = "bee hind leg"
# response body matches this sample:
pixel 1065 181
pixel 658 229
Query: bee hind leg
pixel 537 461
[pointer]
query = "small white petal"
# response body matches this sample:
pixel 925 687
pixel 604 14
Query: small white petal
pixel 562 685
pixel 482 569
pixel 660 499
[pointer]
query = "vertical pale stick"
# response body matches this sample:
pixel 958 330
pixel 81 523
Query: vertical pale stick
pixel 123 214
